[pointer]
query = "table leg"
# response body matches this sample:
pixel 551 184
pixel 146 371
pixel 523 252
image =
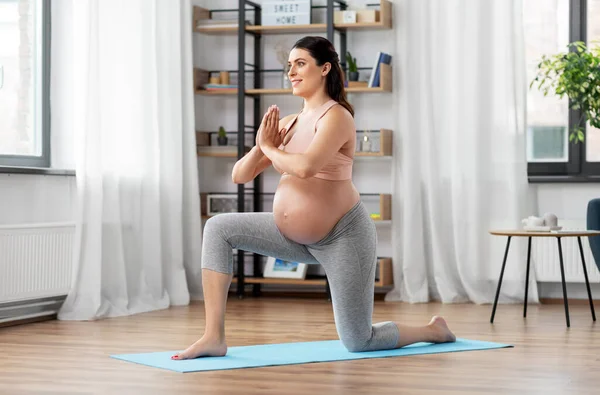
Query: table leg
pixel 587 282
pixel 500 280
pixel 564 285
pixel 527 277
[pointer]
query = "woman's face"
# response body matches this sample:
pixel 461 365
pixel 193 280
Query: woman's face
pixel 304 74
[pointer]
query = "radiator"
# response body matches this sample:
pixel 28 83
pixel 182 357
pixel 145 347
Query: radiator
pixel 36 261
pixel 545 258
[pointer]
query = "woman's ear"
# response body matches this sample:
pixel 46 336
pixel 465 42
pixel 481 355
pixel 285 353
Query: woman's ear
pixel 326 69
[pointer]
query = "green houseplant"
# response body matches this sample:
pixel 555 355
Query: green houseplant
pixel 352 68
pixel 222 136
pixel 577 75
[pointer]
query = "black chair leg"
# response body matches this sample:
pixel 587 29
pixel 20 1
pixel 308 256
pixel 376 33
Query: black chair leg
pixel 564 285
pixel 587 282
pixel 500 280
pixel 527 277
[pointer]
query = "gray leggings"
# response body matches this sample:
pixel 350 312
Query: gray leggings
pixel 347 254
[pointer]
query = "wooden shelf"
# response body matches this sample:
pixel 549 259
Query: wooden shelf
pixel 216 93
pixel 362 26
pixel 385 277
pixel 216 30
pixel 284 281
pixel 230 153
pixel 288 29
pixel 312 28
pixel 269 91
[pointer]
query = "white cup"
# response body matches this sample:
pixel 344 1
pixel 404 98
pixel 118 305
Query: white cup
pixel 550 219
pixel 533 221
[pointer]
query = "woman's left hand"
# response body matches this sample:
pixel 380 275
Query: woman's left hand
pixel 269 134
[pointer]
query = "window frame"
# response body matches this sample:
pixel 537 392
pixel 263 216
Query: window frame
pixel 577 169
pixel 42 161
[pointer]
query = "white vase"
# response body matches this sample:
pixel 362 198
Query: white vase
pixel 285 81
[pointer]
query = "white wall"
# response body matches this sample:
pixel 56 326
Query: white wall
pixel 28 198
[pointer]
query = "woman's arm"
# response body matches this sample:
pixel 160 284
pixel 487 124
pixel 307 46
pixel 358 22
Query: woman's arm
pixel 254 162
pixel 335 129
pixel 249 166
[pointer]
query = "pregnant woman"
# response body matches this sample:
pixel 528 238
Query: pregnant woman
pixel 317 213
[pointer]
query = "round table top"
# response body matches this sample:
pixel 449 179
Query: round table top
pixel 552 233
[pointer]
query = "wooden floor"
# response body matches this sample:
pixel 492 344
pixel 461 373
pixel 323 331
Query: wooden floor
pixel 58 357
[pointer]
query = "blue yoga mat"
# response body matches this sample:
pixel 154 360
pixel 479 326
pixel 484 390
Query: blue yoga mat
pixel 294 353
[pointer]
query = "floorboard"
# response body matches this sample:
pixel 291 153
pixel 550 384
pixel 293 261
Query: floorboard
pixel 60 357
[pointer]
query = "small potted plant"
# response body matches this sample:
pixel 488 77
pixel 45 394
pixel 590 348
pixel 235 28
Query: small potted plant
pixel 352 69
pixel 222 136
pixel 577 75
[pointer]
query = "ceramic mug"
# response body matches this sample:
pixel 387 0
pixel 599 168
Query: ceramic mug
pixel 550 219
pixel 533 221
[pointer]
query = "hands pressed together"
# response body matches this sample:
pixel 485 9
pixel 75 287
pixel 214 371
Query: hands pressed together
pixel 268 134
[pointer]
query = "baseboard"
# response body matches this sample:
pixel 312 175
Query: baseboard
pixel 30 320
pixel 31 310
pixel 570 301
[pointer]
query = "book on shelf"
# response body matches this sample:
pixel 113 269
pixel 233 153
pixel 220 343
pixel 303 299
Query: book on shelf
pixel 218 87
pixel 382 57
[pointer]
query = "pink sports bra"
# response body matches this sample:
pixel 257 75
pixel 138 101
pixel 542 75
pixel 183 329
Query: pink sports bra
pixel 340 166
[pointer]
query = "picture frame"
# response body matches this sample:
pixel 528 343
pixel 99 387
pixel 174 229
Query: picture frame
pixel 279 268
pixel 225 203
pixel 286 12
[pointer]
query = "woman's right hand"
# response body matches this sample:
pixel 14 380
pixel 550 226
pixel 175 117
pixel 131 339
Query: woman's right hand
pixel 278 139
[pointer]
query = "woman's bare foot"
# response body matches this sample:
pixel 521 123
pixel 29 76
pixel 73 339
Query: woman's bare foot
pixel 440 330
pixel 204 347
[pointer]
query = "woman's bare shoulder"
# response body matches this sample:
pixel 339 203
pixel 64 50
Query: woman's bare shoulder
pixel 338 115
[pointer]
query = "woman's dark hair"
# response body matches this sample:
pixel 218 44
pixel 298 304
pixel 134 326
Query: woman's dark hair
pixel 323 51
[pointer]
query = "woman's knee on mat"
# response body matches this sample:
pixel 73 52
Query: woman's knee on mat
pixel 354 342
pixel 382 336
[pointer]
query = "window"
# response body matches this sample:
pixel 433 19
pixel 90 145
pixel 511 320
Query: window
pixel 549 25
pixel 24 83
pixel 593 37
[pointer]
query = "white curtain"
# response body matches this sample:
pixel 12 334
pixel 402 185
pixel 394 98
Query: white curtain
pixel 460 165
pixel 131 112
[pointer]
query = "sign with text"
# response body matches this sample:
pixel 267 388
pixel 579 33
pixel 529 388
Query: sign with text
pixel 286 12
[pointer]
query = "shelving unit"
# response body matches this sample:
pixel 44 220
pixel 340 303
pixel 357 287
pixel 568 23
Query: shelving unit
pixel 257 91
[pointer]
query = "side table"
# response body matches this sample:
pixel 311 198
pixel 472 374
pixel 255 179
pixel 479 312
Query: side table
pixel 559 235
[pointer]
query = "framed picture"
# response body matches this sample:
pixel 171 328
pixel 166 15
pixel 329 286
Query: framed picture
pixel 278 268
pixel 286 12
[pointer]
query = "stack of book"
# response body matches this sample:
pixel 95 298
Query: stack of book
pixel 219 87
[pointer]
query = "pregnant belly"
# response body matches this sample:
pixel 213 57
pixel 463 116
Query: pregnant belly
pixel 306 210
